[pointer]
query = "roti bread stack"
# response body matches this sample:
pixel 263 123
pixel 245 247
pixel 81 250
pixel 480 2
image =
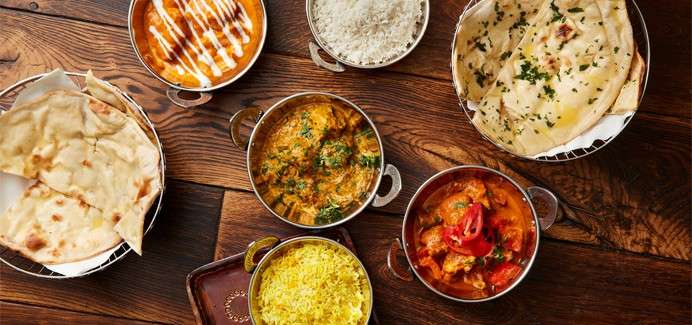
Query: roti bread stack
pixel 545 71
pixel 97 172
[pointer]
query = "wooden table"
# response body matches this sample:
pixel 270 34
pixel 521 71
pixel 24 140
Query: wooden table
pixel 620 254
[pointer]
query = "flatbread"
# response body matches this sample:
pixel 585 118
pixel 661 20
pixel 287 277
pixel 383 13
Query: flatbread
pixel 628 100
pixel 88 150
pixel 566 72
pixel 490 32
pixel 114 97
pixel 51 228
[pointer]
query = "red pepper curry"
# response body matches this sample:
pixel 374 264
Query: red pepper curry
pixel 473 236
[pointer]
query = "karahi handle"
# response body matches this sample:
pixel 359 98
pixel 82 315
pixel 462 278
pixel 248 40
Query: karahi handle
pixel 237 120
pixel 392 172
pixel 546 205
pixel 173 95
pixel 393 265
pixel 315 56
pixel 249 263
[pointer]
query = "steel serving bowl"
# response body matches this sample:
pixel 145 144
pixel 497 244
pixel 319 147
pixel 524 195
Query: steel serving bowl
pixel 278 247
pixel 173 92
pixel 641 39
pixel 340 61
pixel 266 120
pixel 534 196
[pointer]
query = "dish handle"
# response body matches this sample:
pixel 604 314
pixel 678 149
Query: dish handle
pixel 236 121
pixel 393 264
pixel 173 95
pixel 392 172
pixel 249 263
pixel 315 56
pixel 546 205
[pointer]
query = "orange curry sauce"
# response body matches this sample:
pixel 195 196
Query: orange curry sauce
pixel 199 43
pixel 473 236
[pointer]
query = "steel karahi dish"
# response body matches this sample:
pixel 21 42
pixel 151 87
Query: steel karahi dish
pixel 308 280
pixel 318 163
pixel 315 160
pixel 197 45
pixel 541 73
pixel 95 165
pixel 471 233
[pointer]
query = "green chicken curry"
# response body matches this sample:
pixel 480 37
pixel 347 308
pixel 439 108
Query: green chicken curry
pixel 318 163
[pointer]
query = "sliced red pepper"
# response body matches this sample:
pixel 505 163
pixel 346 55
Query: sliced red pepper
pixel 503 274
pixel 465 238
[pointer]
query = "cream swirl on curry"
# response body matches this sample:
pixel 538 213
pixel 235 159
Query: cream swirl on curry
pixel 199 43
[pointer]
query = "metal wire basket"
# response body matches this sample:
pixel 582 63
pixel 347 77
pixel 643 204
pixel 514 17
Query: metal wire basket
pixel 24 265
pixel 641 39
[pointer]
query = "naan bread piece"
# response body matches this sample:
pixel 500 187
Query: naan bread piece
pixel 86 149
pixel 628 100
pixel 489 33
pixel 51 228
pixel 113 96
pixel 563 76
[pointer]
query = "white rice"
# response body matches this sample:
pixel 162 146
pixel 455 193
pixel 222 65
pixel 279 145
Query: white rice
pixel 367 31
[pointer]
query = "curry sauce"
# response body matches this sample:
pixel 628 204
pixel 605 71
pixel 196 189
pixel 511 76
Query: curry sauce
pixel 199 43
pixel 318 163
pixel 473 236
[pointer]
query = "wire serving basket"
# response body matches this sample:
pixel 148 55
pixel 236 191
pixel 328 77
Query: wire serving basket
pixel 641 39
pixel 18 262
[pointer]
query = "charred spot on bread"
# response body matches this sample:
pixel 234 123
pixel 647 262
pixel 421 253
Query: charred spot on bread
pixel 56 217
pixel 34 242
pixel 143 188
pixel 100 108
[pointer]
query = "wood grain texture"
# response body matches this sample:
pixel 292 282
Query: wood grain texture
pixel 632 195
pixel 568 283
pixel 150 287
pixel 32 315
pixel 667 21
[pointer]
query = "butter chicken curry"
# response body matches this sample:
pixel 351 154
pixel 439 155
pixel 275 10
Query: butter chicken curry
pixel 473 236
pixel 318 163
pixel 199 43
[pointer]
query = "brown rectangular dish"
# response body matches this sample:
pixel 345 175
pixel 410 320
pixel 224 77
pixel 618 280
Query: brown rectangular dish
pixel 218 290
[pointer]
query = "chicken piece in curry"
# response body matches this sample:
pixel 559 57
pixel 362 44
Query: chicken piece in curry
pixel 473 236
pixel 318 163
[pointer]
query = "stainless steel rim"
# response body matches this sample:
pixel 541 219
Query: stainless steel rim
pixel 324 47
pixel 294 241
pixel 643 45
pixel 260 125
pixel 21 264
pixel 527 198
pixel 220 85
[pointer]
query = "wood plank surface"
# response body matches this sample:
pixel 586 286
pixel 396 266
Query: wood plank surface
pixel 568 283
pixel 32 315
pixel 667 21
pixel 629 195
pixel 150 287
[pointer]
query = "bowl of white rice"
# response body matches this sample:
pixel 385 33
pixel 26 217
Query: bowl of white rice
pixel 365 34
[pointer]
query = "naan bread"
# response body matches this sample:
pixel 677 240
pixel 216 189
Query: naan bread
pixel 490 32
pixel 51 228
pixel 111 95
pixel 88 150
pixel 566 72
pixel 628 100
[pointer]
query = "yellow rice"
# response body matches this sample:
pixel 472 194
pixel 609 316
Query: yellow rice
pixel 313 283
